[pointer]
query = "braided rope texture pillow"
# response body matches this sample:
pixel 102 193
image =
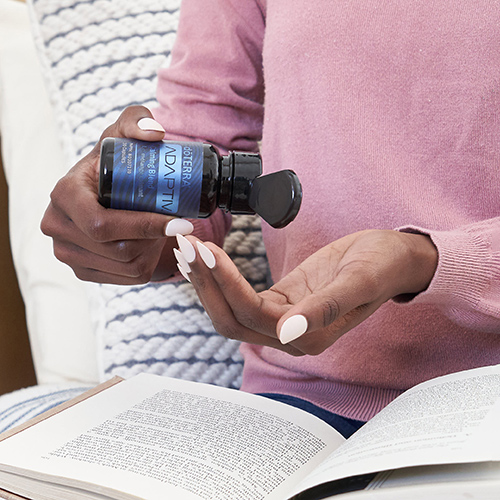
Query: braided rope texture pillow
pixel 101 56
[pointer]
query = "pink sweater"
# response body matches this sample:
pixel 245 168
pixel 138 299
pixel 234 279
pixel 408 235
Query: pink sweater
pixel 389 112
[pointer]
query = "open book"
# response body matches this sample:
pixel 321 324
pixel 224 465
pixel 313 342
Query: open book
pixel 156 438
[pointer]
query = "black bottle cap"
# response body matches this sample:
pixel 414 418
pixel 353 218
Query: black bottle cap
pixel 276 197
pixel 246 167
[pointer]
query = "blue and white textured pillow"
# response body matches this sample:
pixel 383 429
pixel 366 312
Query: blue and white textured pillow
pixel 99 57
pixel 163 329
pixel 19 406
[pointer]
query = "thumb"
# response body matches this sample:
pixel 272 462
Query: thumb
pixel 136 122
pixel 336 308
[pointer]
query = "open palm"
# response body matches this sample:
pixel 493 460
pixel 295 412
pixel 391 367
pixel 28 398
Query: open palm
pixel 332 291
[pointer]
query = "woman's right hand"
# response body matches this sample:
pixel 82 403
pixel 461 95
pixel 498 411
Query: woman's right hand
pixel 106 245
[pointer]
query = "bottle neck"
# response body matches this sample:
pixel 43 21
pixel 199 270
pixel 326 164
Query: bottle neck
pixel 238 170
pixel 226 182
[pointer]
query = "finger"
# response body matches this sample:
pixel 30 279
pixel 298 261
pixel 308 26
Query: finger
pixel 202 271
pixel 318 320
pixel 249 308
pixel 64 232
pixel 141 267
pixel 295 329
pixel 101 224
pixel 136 122
pixel 96 276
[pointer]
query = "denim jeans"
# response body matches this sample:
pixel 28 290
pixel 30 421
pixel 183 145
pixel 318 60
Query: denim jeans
pixel 346 426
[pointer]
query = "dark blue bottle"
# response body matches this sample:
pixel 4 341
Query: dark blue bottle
pixel 192 180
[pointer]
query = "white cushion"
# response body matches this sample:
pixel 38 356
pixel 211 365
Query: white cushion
pixel 61 333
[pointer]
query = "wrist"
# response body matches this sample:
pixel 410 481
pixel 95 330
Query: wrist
pixel 422 265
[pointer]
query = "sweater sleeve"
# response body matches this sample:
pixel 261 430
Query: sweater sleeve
pixel 213 89
pixel 466 284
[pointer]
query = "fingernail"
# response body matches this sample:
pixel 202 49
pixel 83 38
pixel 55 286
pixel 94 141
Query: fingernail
pixel 150 124
pixel 179 226
pixel 183 272
pixel 186 248
pixel 293 328
pixel 206 255
pixel 182 261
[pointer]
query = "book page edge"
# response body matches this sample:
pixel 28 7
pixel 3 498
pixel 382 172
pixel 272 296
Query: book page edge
pixel 59 408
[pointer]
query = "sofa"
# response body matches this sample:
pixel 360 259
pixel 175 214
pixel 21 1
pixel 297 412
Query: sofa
pixel 67 70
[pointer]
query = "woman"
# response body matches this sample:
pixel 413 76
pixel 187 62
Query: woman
pixel 390 116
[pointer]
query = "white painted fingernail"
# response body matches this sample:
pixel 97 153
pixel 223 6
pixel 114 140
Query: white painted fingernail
pixel 206 255
pixel 186 248
pixel 183 272
pixel 150 124
pixel 182 261
pixel 293 328
pixel 179 226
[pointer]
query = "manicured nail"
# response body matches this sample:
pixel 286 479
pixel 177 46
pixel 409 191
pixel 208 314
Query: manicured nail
pixel 149 124
pixel 293 328
pixel 206 255
pixel 182 261
pixel 183 272
pixel 186 248
pixel 179 226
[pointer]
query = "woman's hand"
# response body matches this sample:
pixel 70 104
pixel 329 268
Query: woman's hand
pixel 331 292
pixel 104 245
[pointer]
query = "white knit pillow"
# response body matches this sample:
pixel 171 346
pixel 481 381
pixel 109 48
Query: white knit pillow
pixel 101 56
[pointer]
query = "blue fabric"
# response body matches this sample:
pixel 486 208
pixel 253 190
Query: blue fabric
pixel 346 426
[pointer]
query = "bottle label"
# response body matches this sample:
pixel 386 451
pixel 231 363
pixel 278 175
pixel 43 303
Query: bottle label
pixel 163 177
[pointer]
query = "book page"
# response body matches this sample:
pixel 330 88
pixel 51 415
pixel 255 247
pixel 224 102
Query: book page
pixel 151 436
pixel 476 481
pixel 450 419
pixel 484 472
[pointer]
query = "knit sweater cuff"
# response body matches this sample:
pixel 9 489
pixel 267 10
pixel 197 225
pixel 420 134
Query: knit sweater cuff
pixel 465 268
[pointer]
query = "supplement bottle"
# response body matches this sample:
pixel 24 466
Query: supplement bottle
pixel 192 180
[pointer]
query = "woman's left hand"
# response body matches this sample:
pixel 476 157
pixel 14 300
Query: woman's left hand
pixel 329 293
